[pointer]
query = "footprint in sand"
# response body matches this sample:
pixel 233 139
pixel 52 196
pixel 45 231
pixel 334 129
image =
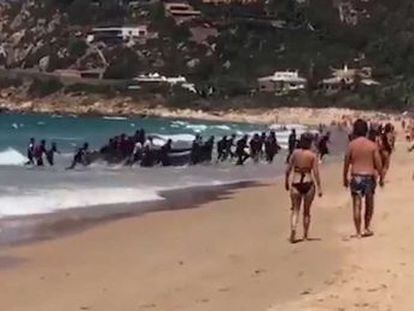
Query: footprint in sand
pixel 258 272
pixel 148 306
pixel 306 292
pixel 224 289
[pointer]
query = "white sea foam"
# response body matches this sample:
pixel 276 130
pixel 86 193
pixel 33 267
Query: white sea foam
pixel 198 128
pixel 11 156
pixel 178 137
pixel 284 127
pixel 47 201
pixel 179 123
pixel 222 127
pixel 114 118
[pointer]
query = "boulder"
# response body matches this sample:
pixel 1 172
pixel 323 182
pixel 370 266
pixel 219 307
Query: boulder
pixel 193 63
pixel 44 63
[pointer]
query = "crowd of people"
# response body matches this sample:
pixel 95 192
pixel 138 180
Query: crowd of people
pixel 140 149
pixel 366 164
pixel 37 152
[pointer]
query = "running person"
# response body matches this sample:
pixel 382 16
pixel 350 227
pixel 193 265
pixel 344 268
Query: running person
pixel 50 154
pixel 362 166
pixel 386 144
pixel 292 142
pixel 303 163
pixel 30 152
pixel 39 151
pixel 323 145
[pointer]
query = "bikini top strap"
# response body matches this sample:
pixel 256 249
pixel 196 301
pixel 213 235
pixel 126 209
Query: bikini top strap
pixel 302 171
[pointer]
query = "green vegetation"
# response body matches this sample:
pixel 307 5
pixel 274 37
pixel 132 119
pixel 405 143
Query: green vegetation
pixel 43 87
pixel 253 41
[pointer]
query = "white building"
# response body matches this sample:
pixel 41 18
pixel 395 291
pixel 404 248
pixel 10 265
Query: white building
pixel 123 33
pixel 282 82
pixel 348 78
pixel 156 78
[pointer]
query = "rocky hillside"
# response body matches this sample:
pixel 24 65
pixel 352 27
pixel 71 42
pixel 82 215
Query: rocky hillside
pixel 225 48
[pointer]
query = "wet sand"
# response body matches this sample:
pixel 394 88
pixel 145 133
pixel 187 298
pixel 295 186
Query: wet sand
pixel 22 230
pixel 229 254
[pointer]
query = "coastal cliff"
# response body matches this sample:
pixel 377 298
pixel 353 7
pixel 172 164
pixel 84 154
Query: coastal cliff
pixel 222 48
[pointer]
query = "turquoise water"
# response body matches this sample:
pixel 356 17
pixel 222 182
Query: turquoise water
pixel 68 132
pixel 33 190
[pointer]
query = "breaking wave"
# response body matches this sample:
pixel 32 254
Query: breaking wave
pixel 11 156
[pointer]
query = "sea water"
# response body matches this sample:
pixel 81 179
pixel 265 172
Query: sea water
pixel 31 190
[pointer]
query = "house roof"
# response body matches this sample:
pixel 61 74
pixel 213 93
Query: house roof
pixel 284 76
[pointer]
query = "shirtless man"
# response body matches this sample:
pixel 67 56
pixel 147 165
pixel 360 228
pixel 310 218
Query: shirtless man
pixel 362 167
pixel 303 163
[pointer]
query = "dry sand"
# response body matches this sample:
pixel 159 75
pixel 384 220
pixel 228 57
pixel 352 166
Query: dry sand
pixel 231 254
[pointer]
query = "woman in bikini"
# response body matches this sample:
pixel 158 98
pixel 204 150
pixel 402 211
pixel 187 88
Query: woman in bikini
pixel 305 181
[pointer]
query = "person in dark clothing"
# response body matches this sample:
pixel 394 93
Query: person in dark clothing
pixel 165 150
pixel 141 137
pixel 229 145
pixel 30 152
pixel 50 154
pixel 39 151
pixel 292 142
pixel 196 150
pixel 148 156
pixel 255 147
pixel 323 145
pixel 271 147
pixel 80 157
pixel 208 149
pixel 221 149
pixel 241 153
pixel 123 146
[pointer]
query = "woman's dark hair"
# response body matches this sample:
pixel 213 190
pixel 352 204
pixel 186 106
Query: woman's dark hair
pixel 360 128
pixel 305 141
pixel 388 128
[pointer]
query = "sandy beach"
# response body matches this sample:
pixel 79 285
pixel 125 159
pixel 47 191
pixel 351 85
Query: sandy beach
pixel 227 254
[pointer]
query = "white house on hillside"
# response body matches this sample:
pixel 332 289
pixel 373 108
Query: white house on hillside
pixel 282 82
pixel 348 78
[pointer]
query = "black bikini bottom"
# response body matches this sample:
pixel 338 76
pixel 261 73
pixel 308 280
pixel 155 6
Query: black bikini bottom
pixel 303 187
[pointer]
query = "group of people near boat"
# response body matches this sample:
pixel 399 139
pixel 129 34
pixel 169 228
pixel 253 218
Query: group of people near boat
pixel 37 151
pixel 139 148
pixel 366 163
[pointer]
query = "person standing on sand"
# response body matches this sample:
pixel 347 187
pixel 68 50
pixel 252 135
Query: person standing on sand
pixel 386 146
pixel 292 142
pixel 362 167
pixel 305 167
pixel 323 149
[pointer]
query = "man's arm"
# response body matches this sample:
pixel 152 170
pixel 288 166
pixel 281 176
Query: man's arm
pixel 379 166
pixel 347 164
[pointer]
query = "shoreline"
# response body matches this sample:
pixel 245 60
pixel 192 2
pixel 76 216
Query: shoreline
pixel 125 107
pixel 31 229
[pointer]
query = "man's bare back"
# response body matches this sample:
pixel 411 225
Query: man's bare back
pixel 364 157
